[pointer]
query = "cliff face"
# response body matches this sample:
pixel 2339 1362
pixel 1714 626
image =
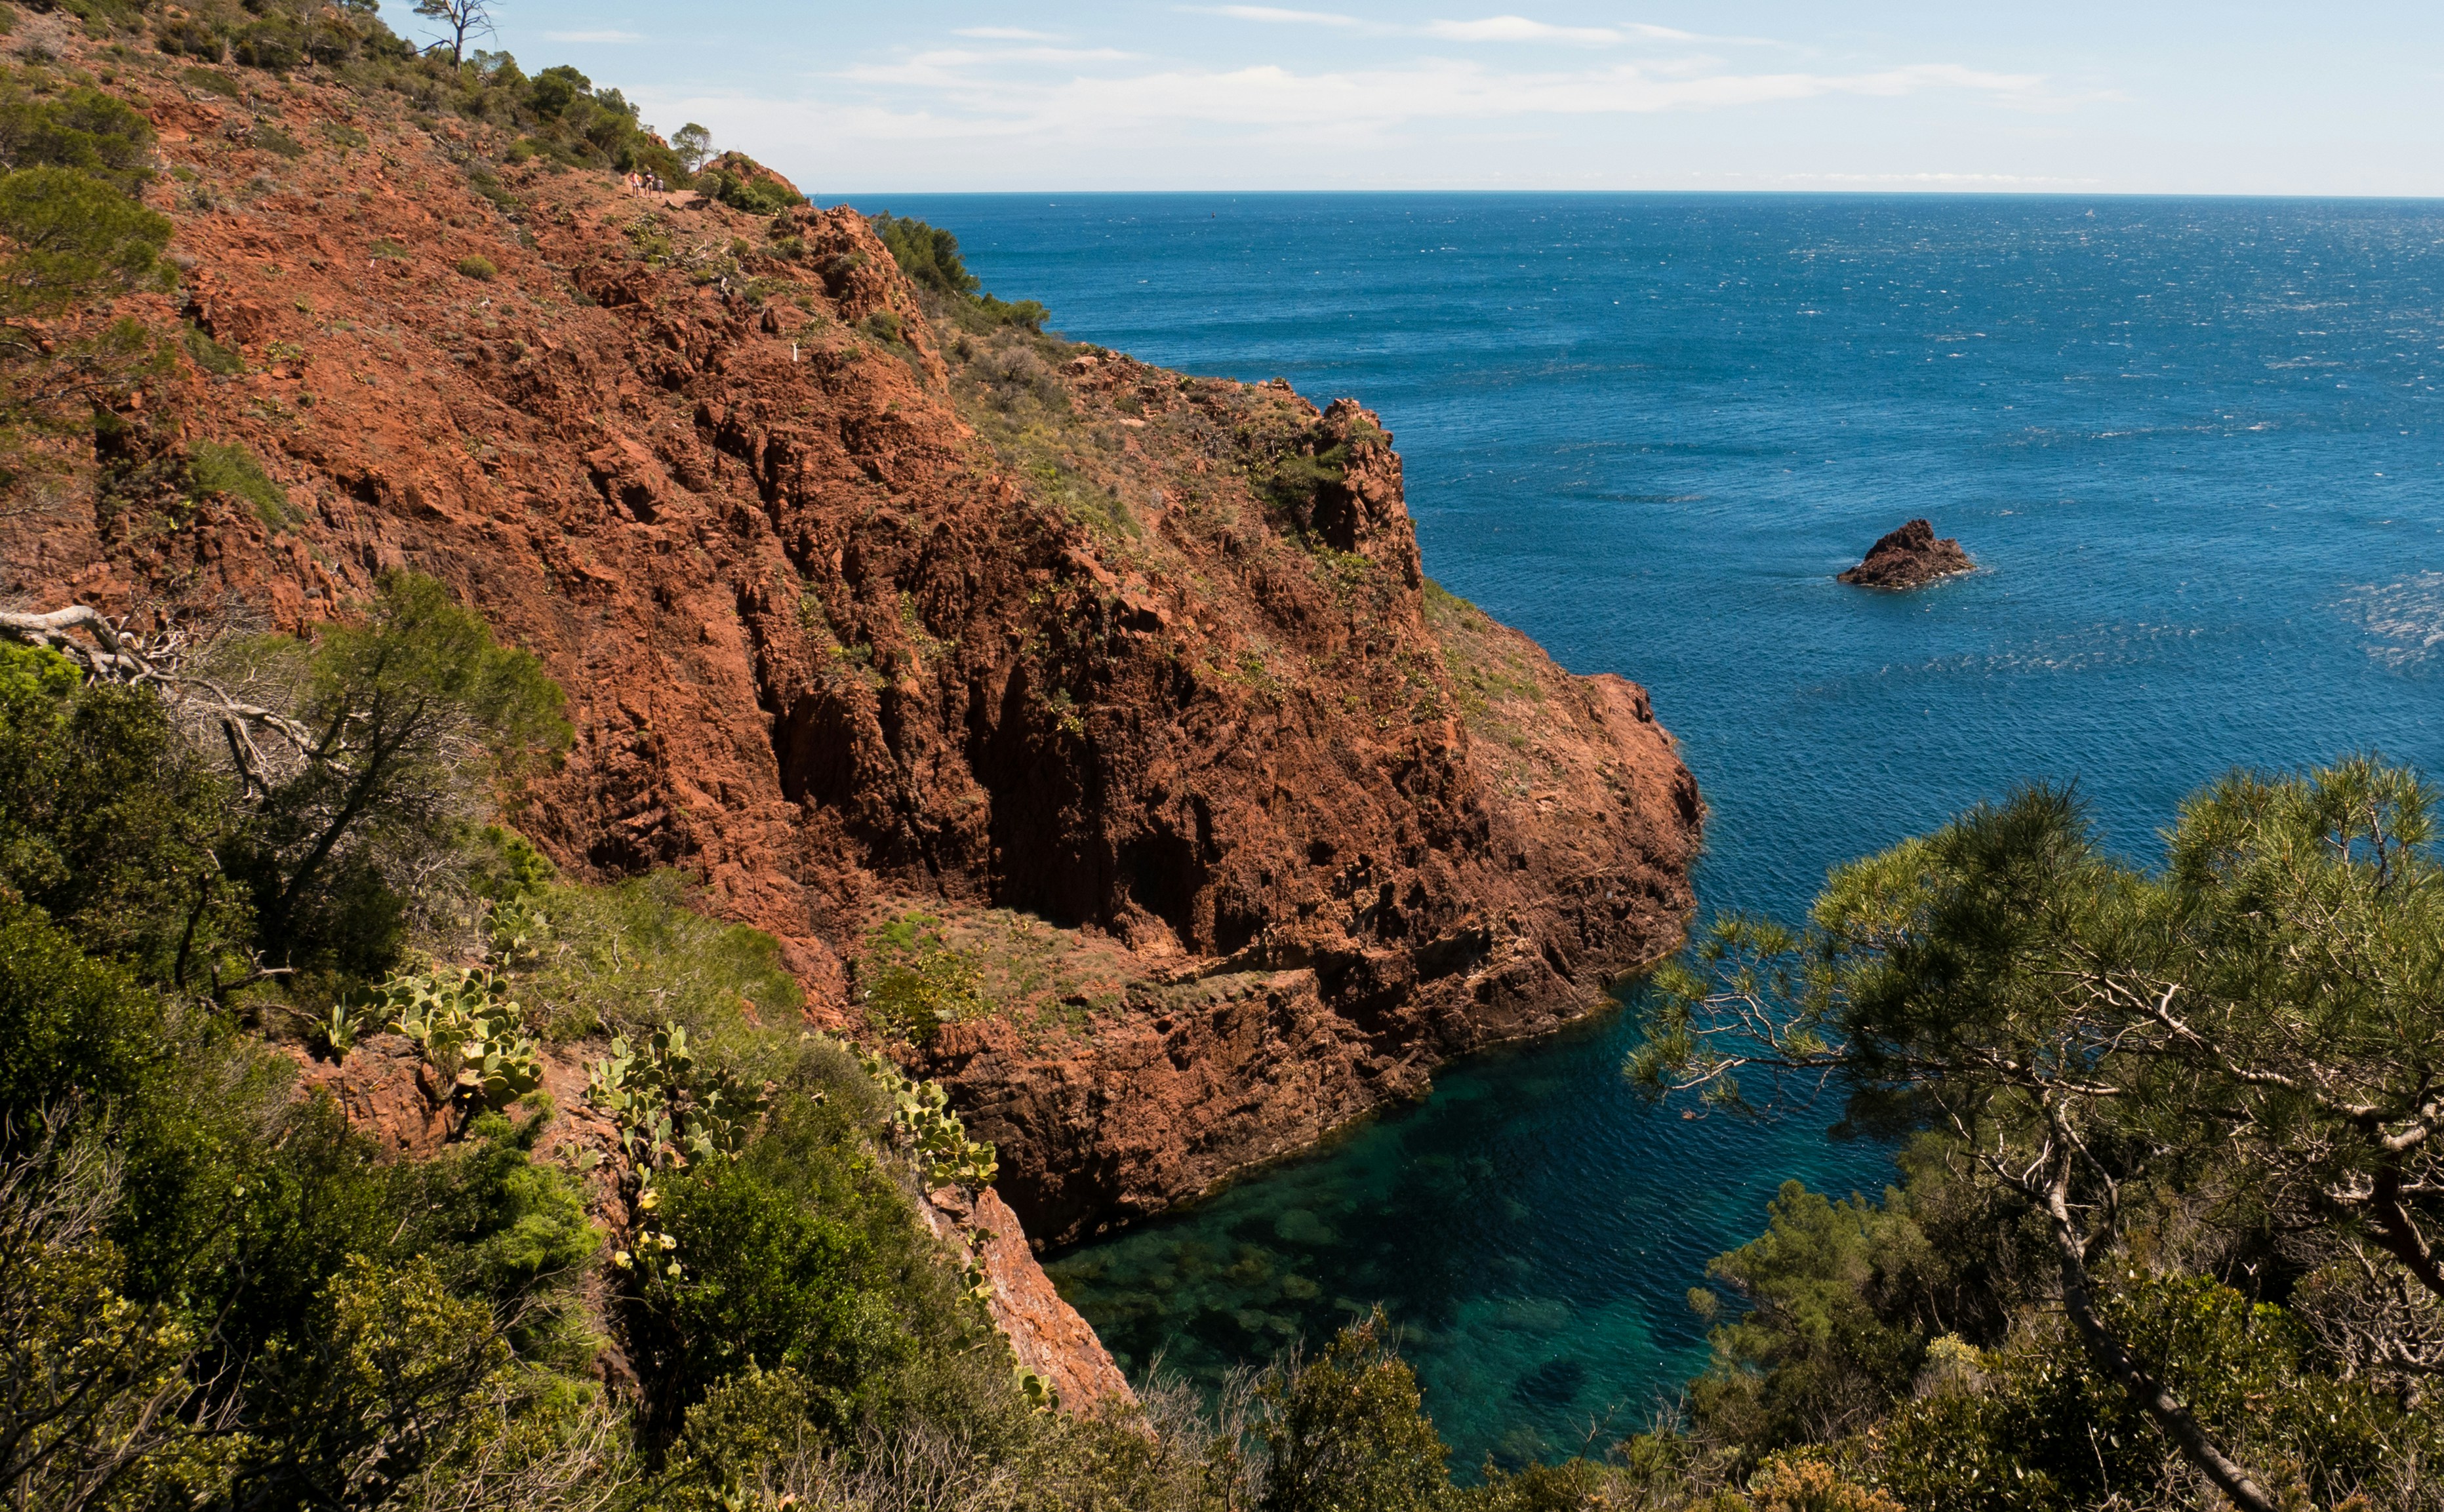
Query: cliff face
pixel 1131 678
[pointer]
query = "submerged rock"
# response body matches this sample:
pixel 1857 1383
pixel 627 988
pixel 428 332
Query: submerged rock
pixel 1908 557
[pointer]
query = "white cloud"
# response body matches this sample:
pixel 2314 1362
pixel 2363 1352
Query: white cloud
pixel 1270 97
pixel 594 36
pixel 1489 28
pixel 1519 28
pixel 958 69
pixel 1273 13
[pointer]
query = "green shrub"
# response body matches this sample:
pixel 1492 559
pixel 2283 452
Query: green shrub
pixel 210 355
pixel 80 128
pixel 801 1255
pixel 630 957
pixel 190 36
pixel 1295 480
pixel 233 469
pixel 1025 313
pixel 75 237
pixel 502 1227
pixel 71 1026
pixel 270 138
pixel 912 980
pixel 109 821
pixel 480 268
pixel 1345 1431
pixel 930 256
pixel 754 195
pixel 211 80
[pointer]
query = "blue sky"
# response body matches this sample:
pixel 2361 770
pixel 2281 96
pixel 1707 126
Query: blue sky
pixel 854 98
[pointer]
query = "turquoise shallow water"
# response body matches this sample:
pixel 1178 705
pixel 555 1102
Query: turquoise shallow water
pixel 2194 443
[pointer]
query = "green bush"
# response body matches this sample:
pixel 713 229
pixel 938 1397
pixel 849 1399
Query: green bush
pixel 758 196
pixel 930 256
pixel 109 821
pixel 801 1255
pixel 71 1028
pixel 233 469
pixel 2041 1431
pixel 211 80
pixel 80 128
pixel 270 138
pixel 75 237
pixel 1347 1432
pixel 629 957
pixel 912 980
pixel 480 268
pixel 210 355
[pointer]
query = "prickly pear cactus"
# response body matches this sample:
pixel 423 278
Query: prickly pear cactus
pixel 921 1111
pixel 671 1113
pixel 468 1029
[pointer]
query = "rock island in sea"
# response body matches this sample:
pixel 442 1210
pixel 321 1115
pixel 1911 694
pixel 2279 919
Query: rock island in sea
pixel 1910 557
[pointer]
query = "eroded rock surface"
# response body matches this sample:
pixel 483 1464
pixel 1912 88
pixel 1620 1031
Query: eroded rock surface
pixel 1045 1333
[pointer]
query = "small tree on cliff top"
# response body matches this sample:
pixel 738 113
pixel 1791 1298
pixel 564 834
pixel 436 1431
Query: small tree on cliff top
pixel 693 144
pixel 460 19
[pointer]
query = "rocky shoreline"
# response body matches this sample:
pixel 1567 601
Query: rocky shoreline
pixel 865 607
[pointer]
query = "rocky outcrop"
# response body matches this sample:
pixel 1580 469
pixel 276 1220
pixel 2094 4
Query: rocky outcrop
pixel 859 612
pixel 1910 557
pixel 1045 1333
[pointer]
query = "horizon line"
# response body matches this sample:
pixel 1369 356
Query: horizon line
pixel 1895 192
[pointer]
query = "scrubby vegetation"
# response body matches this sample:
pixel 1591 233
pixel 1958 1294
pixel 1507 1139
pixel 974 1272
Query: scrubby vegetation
pixel 215 1292
pixel 930 256
pixel 2163 1238
pixel 75 162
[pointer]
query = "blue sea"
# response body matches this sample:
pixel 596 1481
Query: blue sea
pixel 2196 445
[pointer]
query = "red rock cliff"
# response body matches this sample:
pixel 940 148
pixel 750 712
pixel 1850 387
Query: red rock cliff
pixel 1132 677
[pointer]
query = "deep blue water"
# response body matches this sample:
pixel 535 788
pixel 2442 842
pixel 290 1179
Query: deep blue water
pixel 2195 444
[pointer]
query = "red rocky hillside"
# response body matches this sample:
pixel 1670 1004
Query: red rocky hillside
pixel 868 603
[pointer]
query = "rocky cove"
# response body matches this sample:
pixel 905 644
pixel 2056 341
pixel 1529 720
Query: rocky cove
pixel 1132 683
